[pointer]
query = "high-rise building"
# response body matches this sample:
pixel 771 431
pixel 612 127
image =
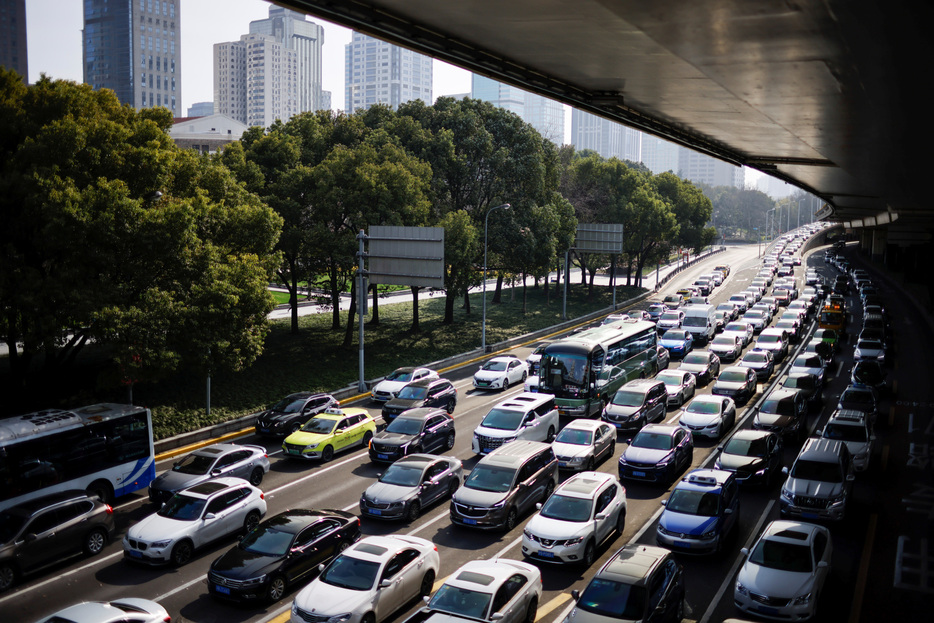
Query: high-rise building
pixel 200 109
pixel 134 48
pixel 376 72
pixel 274 72
pixel 704 169
pixel 608 138
pixel 659 155
pixel 13 37
pixel 543 114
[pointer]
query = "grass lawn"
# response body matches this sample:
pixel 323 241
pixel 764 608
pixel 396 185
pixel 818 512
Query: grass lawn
pixel 314 359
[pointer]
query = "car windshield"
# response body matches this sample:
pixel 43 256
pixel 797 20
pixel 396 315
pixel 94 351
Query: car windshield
pixel 856 396
pixel 704 407
pixel 351 573
pixel 806 361
pixel 461 601
pixel 289 405
pixel 322 426
pixel 867 372
pixel 869 344
pixel 566 508
pixel 695 359
pixel 194 464
pixel 845 432
pixel 490 478
pixel 769 339
pixel 401 376
pixel 783 406
pixel 724 340
pixel 747 447
pixel 405 426
pixel 402 475
pixel 495 365
pixel 736 327
pixel 822 471
pixel 732 376
pixel 267 541
pixel 413 393
pixel 502 419
pixel 674 334
pixel 755 358
pixel 652 441
pixel 800 382
pixel 182 507
pixel 670 378
pixel 671 316
pixel 702 503
pixel 628 398
pixel 782 556
pixel 575 436
pixel 612 599
pixel 10 525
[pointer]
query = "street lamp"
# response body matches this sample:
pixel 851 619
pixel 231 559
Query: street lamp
pixel 486 225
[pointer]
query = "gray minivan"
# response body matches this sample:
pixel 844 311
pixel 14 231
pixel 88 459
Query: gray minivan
pixel 504 485
pixel 635 404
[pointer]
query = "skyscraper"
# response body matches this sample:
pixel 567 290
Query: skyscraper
pixel 134 48
pixel 543 114
pixel 376 72
pixel 659 155
pixel 13 36
pixel 274 72
pixel 608 138
pixel 704 169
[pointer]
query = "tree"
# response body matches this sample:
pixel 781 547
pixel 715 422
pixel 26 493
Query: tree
pixel 112 236
pixel 691 208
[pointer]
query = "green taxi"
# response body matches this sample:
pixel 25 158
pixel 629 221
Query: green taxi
pixel 328 432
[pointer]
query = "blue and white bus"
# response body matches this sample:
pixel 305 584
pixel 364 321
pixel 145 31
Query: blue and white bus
pixel 105 449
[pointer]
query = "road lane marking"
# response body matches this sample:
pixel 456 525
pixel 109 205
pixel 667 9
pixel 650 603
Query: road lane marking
pixel 856 606
pixel 20 591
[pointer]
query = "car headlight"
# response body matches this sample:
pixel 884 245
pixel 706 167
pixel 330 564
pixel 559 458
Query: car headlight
pixel 254 581
pixel 742 590
pixel 786 494
pixel 161 544
pixel 710 533
pixel 575 460
pixel 838 499
pixel 801 600
pixel 666 460
pixel 576 540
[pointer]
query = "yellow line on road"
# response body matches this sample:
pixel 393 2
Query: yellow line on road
pixel 856 606
pixel 552 605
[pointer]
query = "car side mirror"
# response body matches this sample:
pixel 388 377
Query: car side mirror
pixel 385 583
pixel 823 564
pixel 727 511
pixel 819 432
pixel 744 551
pixel 601 516
pixel 785 470
pixel 29 538
pixel 664 502
pixel 426 599
pixel 850 477
pixel 496 616
pixel 575 595
pixel 209 516
pixel 538 506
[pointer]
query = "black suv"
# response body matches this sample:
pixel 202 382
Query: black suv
pixel 417 430
pixel 639 583
pixel 289 414
pixel 422 393
pixel 45 530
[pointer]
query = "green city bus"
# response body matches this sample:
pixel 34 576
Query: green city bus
pixel 584 370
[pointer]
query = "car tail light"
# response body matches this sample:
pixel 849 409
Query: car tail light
pixel 167 619
pixel 108 509
pixel 262 496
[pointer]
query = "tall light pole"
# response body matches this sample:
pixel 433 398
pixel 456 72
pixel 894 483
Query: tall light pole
pixel 759 239
pixel 486 229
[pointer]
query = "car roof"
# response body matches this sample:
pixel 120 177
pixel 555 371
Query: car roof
pixel 750 434
pixel 848 417
pixel 665 429
pixel 632 564
pixel 819 449
pixel 382 547
pixel 782 393
pixel 580 424
pixel 486 575
pixel 217 449
pixel 524 400
pixel 705 480
pixel 420 413
pixel 37 504
pixel 514 452
pixel 338 414
pixel 296 519
pixel 796 532
pixel 213 486
pixel 100 612
pixel 426 381
pixel 707 398
pixel 640 384
pixel 584 485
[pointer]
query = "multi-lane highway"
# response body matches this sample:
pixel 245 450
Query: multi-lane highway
pixel 338 484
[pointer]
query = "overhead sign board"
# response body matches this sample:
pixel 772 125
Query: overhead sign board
pixel 599 238
pixel 406 256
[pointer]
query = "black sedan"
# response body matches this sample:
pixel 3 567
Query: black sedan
pixel 422 393
pixel 280 552
pixel 289 414
pixel 754 455
pixel 417 430
pixel 411 484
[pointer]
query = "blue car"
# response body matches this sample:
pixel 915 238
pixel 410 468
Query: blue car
pixel 678 342
pixel 700 513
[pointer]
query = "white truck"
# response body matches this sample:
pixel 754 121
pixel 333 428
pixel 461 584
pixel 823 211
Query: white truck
pixel 701 321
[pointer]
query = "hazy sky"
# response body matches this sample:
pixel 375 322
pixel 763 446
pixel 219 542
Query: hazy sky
pixel 54 41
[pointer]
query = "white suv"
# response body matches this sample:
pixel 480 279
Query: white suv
pixel 855 430
pixel 581 514
pixel 524 416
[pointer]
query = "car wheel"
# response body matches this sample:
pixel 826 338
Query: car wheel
pixel 525 375
pixel 367 436
pixel 94 542
pixel 327 454
pixel 532 612
pixel 251 521
pixel 256 476
pixel 621 522
pixel 451 404
pixel 452 488
pixel 276 588
pixel 181 553
pixel 369 617
pixel 511 518
pixel 505 384
pixel 551 434
pixel 590 465
pixel 295 427
pixel 8 577
pixel 549 489
pixel 415 509
pixel 679 613
pixel 450 440
pixel 428 583
pixel 587 558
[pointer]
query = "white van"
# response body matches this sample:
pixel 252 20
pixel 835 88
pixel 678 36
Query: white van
pixel 524 416
pixel 701 321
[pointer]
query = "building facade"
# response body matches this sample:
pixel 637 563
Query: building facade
pixel 659 155
pixel 543 114
pixel 608 138
pixel 376 72
pixel 13 53
pixel 274 72
pixel 134 48
pixel 703 169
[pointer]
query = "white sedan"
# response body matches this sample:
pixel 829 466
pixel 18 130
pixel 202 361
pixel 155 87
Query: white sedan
pixel 680 385
pixel 785 571
pixel 370 581
pixel 391 385
pixel 126 610
pixel 194 517
pixel 501 372
pixel 708 415
pixel 487 590
pixel 583 443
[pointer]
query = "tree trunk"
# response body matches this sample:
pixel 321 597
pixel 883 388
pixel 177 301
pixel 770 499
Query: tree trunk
pixel 348 331
pixel 374 317
pixel 335 299
pixel 415 327
pixel 524 286
pixel 498 292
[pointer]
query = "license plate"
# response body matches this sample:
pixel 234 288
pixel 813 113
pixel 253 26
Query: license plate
pixel 546 554
pixel 264 430
pixel 135 554
pixel 223 590
pixel 639 474
pixel 375 511
pixel 470 522
pixel 809 515
pixel 617 425
pixel 297 452
pixel 382 456
pixel 767 610
pixel 562 464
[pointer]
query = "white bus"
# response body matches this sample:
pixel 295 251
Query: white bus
pixel 105 449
